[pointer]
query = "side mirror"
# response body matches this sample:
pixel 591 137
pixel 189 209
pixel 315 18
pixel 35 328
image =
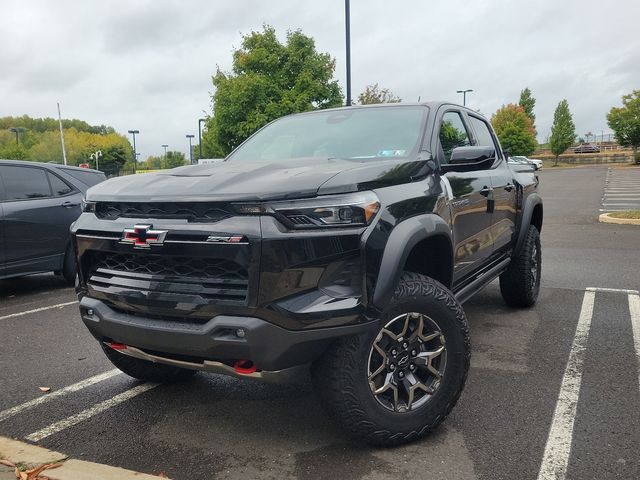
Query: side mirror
pixel 466 159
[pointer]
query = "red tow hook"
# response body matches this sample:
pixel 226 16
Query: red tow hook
pixel 117 346
pixel 244 367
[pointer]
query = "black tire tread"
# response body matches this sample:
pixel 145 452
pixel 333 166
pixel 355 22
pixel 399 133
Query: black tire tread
pixel 515 284
pixel 340 399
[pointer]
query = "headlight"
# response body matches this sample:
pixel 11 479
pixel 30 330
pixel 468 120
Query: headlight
pixel 88 207
pixel 332 211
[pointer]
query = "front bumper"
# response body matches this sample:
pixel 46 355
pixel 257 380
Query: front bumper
pixel 214 345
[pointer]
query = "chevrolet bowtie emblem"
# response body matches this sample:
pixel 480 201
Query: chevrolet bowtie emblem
pixel 143 236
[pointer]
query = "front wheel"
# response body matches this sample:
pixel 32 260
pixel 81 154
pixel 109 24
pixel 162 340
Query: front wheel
pixel 397 383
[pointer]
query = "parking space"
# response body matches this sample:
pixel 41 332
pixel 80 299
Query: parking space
pixel 553 391
pixel 622 190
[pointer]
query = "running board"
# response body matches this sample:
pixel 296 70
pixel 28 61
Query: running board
pixel 482 280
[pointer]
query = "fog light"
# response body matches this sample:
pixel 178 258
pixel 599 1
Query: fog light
pixel 240 333
pixel 90 312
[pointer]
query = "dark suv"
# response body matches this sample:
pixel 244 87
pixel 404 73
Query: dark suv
pixel 38 204
pixel 344 240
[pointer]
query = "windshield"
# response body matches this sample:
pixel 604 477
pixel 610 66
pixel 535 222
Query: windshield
pixel 359 133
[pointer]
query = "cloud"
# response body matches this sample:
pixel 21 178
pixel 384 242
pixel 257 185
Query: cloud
pixel 148 64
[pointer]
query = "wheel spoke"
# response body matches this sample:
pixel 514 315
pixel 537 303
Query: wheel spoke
pixel 431 336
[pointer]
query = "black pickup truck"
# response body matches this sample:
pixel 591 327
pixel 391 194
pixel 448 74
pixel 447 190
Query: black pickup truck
pixel 338 241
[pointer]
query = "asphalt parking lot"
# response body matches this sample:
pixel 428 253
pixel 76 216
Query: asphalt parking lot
pixel 551 386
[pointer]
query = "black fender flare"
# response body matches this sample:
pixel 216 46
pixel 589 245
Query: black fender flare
pixel 402 239
pixel 532 200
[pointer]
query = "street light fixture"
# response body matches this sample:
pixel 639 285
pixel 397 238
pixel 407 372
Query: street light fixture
pixel 200 120
pixel 96 155
pixel 135 154
pixel 17 131
pixel 464 96
pixel 164 145
pixel 189 136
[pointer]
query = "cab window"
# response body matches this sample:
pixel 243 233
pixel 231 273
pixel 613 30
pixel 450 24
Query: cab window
pixel 452 134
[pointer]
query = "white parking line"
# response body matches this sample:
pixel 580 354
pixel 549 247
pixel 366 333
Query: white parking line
pixel 614 290
pixel 89 412
pixel 10 412
pixel 634 310
pixel 558 448
pixel 36 310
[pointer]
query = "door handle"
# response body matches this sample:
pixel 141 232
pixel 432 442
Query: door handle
pixel 509 186
pixel 486 191
pixel 68 204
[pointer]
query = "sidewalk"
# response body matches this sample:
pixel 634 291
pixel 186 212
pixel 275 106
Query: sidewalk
pixel 36 463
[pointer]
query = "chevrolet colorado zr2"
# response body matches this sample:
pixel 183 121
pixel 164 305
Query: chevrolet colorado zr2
pixel 341 242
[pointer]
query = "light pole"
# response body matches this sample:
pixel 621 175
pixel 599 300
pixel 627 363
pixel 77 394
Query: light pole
pixel 17 131
pixel 347 23
pixel 189 136
pixel 135 154
pixel 164 145
pixel 96 155
pixel 200 120
pixel 464 96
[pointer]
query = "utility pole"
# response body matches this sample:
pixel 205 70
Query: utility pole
pixel 135 154
pixel 64 152
pixel 200 120
pixel 464 96
pixel 189 136
pixel 347 20
pixel 16 130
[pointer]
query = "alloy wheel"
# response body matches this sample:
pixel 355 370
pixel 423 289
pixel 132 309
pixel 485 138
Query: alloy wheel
pixel 407 362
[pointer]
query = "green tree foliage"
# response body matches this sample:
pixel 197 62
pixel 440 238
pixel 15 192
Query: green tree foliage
pixel 40 141
pixel 625 122
pixel 528 103
pixel 174 159
pixel 374 94
pixel 563 130
pixel 514 129
pixel 269 79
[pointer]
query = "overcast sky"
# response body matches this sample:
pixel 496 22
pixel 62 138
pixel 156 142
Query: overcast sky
pixel 148 64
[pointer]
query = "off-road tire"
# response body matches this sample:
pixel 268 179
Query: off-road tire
pixel 340 376
pixel 518 284
pixel 147 371
pixel 69 270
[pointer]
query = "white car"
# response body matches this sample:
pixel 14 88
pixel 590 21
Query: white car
pixel 536 162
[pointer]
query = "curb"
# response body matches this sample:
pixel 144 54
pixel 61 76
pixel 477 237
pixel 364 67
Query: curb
pixel 605 218
pixel 31 456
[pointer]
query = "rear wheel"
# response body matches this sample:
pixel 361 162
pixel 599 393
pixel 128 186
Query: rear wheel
pixel 397 383
pixel 520 283
pixel 146 371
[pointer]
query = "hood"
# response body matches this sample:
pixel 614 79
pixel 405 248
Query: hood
pixel 256 181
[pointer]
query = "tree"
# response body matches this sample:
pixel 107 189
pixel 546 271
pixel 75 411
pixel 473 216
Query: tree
pixel 563 130
pixel 174 159
pixel 374 94
pixel 625 122
pixel 269 79
pixel 514 129
pixel 528 103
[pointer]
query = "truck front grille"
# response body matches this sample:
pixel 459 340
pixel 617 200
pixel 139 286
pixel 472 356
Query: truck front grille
pixel 144 281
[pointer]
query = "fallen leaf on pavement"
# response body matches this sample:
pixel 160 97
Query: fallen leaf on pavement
pixel 7 463
pixel 45 389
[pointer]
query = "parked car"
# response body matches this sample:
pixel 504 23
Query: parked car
pixel 519 161
pixel 586 148
pixel 343 239
pixel 38 204
pixel 522 160
pixel 536 162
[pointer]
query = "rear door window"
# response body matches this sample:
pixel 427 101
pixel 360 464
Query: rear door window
pixel 89 178
pixel 24 183
pixel 58 186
